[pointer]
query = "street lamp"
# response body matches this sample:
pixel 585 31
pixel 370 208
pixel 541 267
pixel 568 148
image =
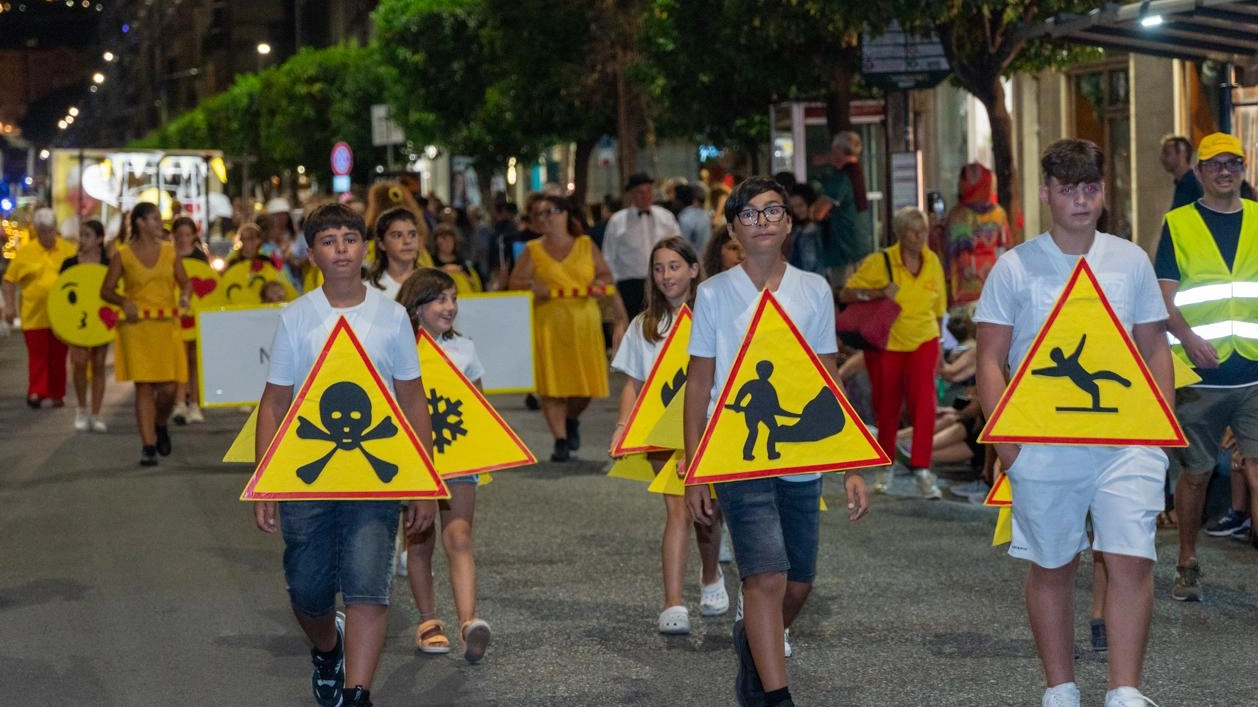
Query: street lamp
pixel 108 56
pixel 98 78
pixel 264 48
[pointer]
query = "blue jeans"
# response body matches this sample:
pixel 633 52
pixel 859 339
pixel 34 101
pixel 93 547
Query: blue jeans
pixel 773 526
pixel 338 545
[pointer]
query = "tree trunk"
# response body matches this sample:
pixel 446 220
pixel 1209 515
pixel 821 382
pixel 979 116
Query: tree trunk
pixel 993 99
pixel 839 99
pixel 581 171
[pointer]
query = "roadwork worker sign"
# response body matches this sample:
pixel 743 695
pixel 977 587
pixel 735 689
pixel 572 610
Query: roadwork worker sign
pixel 344 437
pixel 780 413
pixel 1083 381
pixel 469 436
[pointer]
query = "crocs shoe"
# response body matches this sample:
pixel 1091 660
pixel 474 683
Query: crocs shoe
pixel 674 621
pixel 713 599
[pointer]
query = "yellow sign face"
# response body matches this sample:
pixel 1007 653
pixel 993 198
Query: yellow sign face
pixel 79 316
pixel 242 283
pixel 469 436
pixel 1083 381
pixel 1004 527
pixel 667 482
pixel 634 467
pixel 344 437
pixel 660 389
pixel 1185 375
pixel 206 292
pixel 779 412
pixel 241 450
pixel 668 432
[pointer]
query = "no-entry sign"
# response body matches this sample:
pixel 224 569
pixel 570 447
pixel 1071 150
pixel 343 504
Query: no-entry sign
pixel 342 158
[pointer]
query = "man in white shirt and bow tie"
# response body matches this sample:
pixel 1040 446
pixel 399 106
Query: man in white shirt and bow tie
pixel 631 233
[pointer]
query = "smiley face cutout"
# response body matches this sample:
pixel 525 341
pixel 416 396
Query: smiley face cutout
pixel 79 316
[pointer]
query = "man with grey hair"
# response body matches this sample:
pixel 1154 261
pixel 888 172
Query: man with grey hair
pixel 846 238
pixel 33 271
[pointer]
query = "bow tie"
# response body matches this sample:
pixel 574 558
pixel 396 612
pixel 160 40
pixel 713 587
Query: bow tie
pixel 644 212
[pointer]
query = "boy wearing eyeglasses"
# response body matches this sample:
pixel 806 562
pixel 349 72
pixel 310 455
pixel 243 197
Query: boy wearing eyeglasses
pixel 772 522
pixel 1207 267
pixel 1055 486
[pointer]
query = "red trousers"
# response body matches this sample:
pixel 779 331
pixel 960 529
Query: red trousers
pixel 45 364
pixel 897 377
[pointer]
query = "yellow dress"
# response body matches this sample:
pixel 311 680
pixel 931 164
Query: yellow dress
pixel 150 350
pixel 569 353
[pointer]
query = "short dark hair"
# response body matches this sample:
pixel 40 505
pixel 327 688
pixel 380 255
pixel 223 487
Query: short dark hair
pixel 805 192
pixel 1073 161
pixel 748 189
pixel 332 215
pixel 1180 142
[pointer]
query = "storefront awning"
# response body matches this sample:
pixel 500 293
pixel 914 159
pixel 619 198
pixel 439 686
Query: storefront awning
pixel 1195 30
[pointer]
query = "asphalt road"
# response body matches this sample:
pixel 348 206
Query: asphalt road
pixel 122 585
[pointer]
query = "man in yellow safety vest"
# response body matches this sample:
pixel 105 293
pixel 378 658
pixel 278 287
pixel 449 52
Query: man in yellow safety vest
pixel 1207 267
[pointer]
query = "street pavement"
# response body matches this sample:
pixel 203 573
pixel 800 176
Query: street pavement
pixel 123 585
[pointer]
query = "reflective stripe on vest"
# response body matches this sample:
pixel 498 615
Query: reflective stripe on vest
pixel 1220 304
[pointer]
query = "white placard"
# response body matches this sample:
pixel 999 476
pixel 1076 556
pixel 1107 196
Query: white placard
pixel 501 324
pixel 234 353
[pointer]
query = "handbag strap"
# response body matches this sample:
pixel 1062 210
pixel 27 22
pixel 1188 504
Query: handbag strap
pixel 887 259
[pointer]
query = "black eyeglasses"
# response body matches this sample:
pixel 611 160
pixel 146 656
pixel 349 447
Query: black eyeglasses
pixel 552 211
pixel 772 214
pixel 1235 165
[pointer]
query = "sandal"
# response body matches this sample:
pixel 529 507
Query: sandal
pixel 475 639
pixel 674 621
pixel 431 637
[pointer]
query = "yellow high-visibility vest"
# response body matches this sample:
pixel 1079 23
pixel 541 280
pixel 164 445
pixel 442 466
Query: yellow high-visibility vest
pixel 1220 305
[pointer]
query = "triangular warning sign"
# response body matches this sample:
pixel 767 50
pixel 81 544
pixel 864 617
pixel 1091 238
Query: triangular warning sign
pixel 469 436
pixel 1083 381
pixel 1004 527
pixel 344 437
pixel 1185 375
pixel 667 482
pixel 634 467
pixel 999 494
pixel 780 412
pixel 241 450
pixel 661 388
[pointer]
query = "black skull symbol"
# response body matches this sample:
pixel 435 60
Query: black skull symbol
pixel 345 410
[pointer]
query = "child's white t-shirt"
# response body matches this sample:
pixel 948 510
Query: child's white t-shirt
pixel 637 356
pixel 725 305
pixel 388 286
pixel 1025 283
pixel 462 353
pixel 379 323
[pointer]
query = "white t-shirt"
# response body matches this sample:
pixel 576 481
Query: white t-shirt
pixel 725 305
pixel 637 356
pixel 388 286
pixel 462 352
pixel 631 234
pixel 379 323
pixel 1025 283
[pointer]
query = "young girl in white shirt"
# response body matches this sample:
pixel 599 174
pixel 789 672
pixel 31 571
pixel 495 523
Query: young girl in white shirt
pixel 674 278
pixel 400 248
pixel 431 300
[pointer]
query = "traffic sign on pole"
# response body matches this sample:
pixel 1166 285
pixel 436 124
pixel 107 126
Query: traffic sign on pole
pixel 342 158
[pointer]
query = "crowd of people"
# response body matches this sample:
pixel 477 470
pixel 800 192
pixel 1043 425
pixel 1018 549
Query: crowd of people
pixel 607 286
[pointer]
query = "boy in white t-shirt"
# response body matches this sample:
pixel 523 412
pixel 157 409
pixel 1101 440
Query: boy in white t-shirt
pixel 1054 487
pixel 341 545
pixel 772 522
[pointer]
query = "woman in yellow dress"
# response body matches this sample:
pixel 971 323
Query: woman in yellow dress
pixel 149 348
pixel 569 353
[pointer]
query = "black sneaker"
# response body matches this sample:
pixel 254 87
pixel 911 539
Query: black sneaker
pixel 1100 642
pixel 163 441
pixel 573 428
pixel 357 697
pixel 1229 524
pixel 148 455
pixel 530 402
pixel 328 678
pixel 562 452
pixel 747 686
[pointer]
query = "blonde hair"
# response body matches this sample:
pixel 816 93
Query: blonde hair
pixel 907 217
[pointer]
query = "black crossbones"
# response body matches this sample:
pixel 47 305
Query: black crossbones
pixel 346 413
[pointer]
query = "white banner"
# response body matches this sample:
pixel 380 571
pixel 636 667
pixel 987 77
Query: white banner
pixel 501 325
pixel 234 353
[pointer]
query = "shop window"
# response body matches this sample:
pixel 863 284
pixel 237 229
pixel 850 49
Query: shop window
pixel 1101 109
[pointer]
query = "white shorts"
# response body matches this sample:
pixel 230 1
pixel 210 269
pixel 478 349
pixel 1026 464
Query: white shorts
pixel 1054 487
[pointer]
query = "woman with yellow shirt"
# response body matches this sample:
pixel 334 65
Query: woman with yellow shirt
pixel 149 349
pixel 905 370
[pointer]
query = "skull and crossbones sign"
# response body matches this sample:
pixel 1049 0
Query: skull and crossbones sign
pixel 345 411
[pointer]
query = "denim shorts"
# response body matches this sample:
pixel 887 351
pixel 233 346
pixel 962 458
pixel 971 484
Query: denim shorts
pixel 773 526
pixel 338 545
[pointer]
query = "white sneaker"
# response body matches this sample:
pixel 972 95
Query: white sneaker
pixel 713 599
pixel 1063 695
pixel 400 566
pixel 674 621
pixel 926 484
pixel 882 479
pixel 786 642
pixel 738 612
pixel 194 413
pixel 179 415
pixel 1126 697
pixel 98 425
pixel 82 420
